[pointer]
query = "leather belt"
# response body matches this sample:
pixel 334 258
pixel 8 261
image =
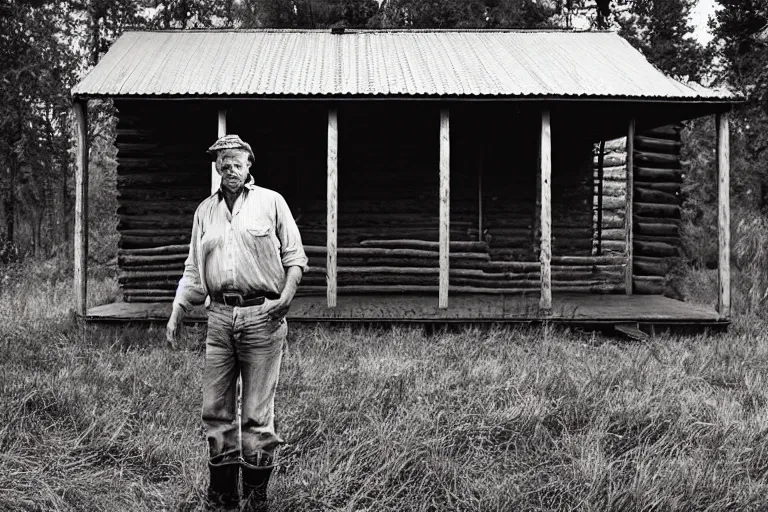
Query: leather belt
pixel 236 298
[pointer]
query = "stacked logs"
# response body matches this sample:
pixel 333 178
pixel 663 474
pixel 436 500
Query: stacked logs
pixel 151 274
pixel 391 265
pixel 411 266
pixel 388 239
pixel 387 223
pixel 508 228
pixel 512 233
pixel 572 201
pixel 656 222
pixel 609 198
pixel 163 174
pixel 512 208
pixel 657 181
pixel 359 220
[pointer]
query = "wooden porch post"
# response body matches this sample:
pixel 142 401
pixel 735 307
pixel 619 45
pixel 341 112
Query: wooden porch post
pixel 545 302
pixel 629 238
pixel 80 108
pixel 222 131
pixel 445 206
pixel 723 217
pixel 480 236
pixel 332 205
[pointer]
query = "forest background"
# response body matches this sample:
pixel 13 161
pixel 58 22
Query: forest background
pixel 47 46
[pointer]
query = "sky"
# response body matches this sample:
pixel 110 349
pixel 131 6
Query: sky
pixel 699 16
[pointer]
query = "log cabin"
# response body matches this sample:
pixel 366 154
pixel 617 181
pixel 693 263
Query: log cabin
pixel 436 176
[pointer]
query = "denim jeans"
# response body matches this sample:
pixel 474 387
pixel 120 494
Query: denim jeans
pixel 234 347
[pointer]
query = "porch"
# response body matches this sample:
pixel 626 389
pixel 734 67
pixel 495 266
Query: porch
pixel 567 309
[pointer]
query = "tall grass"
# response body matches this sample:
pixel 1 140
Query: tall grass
pixel 107 418
pixel 751 252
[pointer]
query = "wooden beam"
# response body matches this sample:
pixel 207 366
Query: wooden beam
pixel 332 206
pixel 445 206
pixel 480 236
pixel 545 302
pixel 536 231
pixel 629 209
pixel 723 217
pixel 80 109
pixel 222 131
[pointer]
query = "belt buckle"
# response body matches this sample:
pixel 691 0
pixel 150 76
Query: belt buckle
pixel 232 298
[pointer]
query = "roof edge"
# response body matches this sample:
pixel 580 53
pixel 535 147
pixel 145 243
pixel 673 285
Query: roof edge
pixel 414 97
pixel 348 31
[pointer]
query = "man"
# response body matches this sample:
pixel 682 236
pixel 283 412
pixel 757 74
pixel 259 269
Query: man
pixel 246 255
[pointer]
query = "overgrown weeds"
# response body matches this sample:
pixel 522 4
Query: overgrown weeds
pixel 751 252
pixel 107 418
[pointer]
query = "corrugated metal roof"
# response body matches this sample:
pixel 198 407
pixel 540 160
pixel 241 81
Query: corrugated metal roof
pixel 373 63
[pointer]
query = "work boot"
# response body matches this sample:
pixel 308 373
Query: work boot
pixel 255 482
pixel 222 489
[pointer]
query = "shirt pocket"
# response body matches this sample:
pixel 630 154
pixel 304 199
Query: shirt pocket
pixel 260 230
pixel 264 233
pixel 265 244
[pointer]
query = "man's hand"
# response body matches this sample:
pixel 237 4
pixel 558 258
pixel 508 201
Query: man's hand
pixel 277 308
pixel 171 330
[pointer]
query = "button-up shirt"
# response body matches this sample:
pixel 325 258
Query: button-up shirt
pixel 246 249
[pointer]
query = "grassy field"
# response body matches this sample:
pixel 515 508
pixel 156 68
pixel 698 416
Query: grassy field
pixel 496 419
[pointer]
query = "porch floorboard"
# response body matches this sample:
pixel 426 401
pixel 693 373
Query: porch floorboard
pixel 567 308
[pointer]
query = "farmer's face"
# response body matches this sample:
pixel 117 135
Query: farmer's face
pixel 233 167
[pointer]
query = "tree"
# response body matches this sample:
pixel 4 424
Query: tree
pixel 662 31
pixel 743 66
pixel 37 66
pixel 304 13
pixel 739 29
pixel 186 14
pixel 523 14
pixel 520 13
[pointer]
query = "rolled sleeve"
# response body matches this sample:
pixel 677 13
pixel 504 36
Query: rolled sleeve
pixel 190 291
pixel 291 249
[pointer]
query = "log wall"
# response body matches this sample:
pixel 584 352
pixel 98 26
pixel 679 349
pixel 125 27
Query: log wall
pixel 658 178
pixel 656 220
pixel 609 198
pixel 389 212
pixel 163 173
pixel 388 177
